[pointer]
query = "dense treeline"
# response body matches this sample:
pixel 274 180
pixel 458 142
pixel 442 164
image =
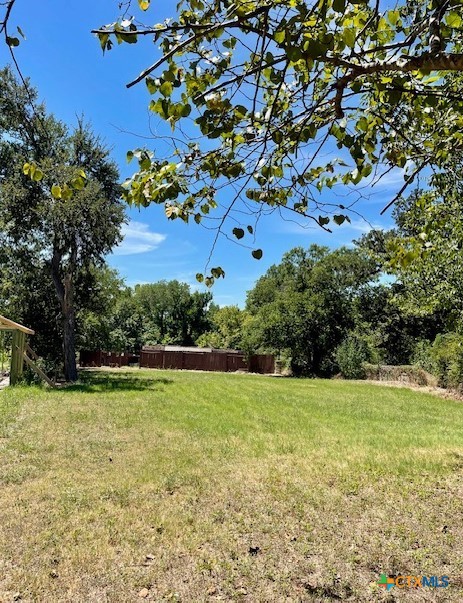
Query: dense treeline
pixel 394 297
pixel 163 312
pixel 320 311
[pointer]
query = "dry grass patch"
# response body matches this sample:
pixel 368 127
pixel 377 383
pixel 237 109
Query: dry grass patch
pixel 207 487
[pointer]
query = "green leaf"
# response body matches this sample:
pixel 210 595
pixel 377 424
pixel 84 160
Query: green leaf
pixel 362 124
pixel 200 277
pixel 145 162
pixel 238 232
pixel 129 156
pixel 294 53
pixel 393 16
pixel 241 111
pixel 168 76
pixel 277 136
pixel 12 41
pixel 104 41
pixel 314 48
pixel 26 169
pixel 217 272
pixel 20 32
pixel 339 219
pixel 356 176
pixel 56 191
pixel 166 89
pixel 279 36
pixel 78 183
pixel 257 254
pixel 349 36
pixel 453 19
pixel 66 193
pixel 38 175
pixel 366 170
pixel 151 85
pixel 185 110
pixel 250 229
pixel 323 220
pixel 144 4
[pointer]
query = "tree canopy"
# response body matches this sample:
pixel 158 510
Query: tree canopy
pixel 171 313
pixel 228 324
pixel 47 230
pixel 304 306
pixel 424 251
pixel 277 104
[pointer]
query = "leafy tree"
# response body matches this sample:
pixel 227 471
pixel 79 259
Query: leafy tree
pixel 171 313
pixel 228 323
pixel 112 320
pixel 63 233
pixel 423 253
pixel 427 251
pixel 393 332
pixel 259 93
pixel 394 315
pixel 123 319
pixel 304 306
pixel 26 295
pixel 127 324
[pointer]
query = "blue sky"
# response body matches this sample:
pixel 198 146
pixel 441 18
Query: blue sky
pixel 66 65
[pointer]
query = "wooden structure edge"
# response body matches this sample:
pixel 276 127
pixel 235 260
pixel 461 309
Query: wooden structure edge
pixel 9 325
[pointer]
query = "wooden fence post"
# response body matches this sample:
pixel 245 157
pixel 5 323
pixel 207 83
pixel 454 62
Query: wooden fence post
pixel 17 350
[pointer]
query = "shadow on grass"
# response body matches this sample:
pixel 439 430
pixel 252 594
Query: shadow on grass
pixel 107 382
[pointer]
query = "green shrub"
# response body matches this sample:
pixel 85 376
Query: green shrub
pixel 351 355
pixel 447 359
pixel 443 359
pixel 423 356
pixel 405 373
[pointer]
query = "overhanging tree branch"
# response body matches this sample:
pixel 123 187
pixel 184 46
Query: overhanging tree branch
pixel 264 92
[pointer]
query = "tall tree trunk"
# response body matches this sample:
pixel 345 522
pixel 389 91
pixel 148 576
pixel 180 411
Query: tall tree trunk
pixel 65 292
pixel 69 330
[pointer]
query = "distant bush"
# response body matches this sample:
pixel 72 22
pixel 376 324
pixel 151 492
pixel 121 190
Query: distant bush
pixel 443 359
pixel 351 355
pixel 405 373
pixel 447 360
pixel 423 357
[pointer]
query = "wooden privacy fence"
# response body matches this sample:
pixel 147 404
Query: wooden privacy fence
pixel 100 358
pixel 262 363
pixel 206 360
pixel 190 359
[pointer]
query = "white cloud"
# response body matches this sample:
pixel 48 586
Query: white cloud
pixel 363 226
pixel 389 180
pixel 138 239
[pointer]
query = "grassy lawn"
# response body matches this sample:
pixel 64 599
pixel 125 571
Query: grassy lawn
pixel 177 486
